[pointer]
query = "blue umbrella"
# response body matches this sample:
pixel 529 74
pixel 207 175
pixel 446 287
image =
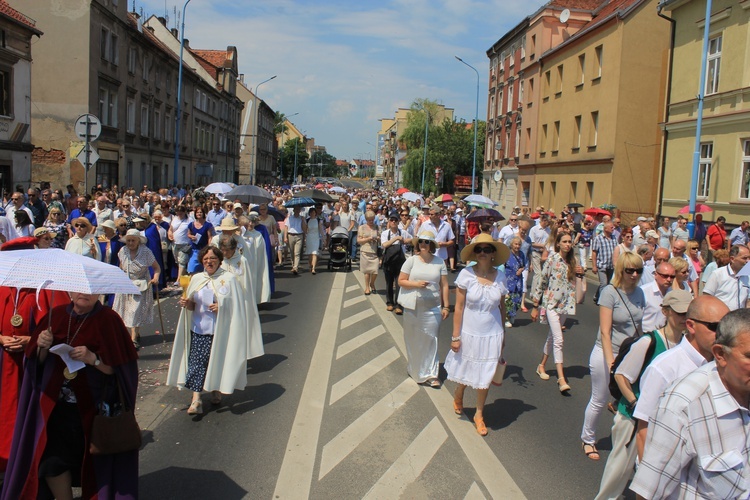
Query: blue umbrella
pixel 300 202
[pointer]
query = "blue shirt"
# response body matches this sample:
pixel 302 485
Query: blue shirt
pixel 89 214
pixel 215 217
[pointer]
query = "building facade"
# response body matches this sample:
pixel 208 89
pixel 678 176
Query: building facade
pixel 258 148
pixel 16 34
pixel 723 181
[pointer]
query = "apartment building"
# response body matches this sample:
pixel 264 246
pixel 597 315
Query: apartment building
pixel 258 148
pixel 16 34
pixel 125 72
pixel 723 181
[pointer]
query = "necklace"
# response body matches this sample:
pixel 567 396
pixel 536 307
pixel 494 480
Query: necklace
pixel 484 275
pixel 68 340
pixel 16 320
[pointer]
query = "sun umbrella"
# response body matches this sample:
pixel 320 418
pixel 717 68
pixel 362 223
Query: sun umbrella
pixel 535 215
pixel 219 187
pixel 319 186
pixel 444 198
pixel 315 194
pixel 401 191
pixel 337 189
pixel 249 194
pixel 575 205
pixel 699 208
pixel 596 212
pixel 409 196
pixel 479 199
pixel 273 212
pixel 484 214
pixel 56 269
pixel 300 202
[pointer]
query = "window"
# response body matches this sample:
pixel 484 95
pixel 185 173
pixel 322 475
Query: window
pixel 532 49
pixel 573 190
pixel 510 98
pixel 512 56
pixel 131 116
pixel 157 125
pixel 6 87
pixel 577 133
pixel 500 103
pixel 598 53
pixel 714 65
pixel 581 69
pixel 114 54
pixel 144 120
pixel 169 83
pixel 132 60
pixel 531 92
pixel 157 77
pixel 556 137
pixel 523 47
pixel 547 80
pixel 104 44
pixel 506 153
pixel 543 144
pixel 108 107
pixel 520 94
pixel 492 107
pixel 594 130
pixel 704 169
pixel 146 67
pixel 528 142
pixel 502 62
pixel 745 187
pixel 517 147
pixel 559 80
pixel 168 127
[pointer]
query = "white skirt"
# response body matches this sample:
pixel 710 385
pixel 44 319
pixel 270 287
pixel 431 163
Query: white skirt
pixel 420 336
pixel 476 361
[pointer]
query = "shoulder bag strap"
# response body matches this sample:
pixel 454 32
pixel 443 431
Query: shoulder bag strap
pixel 626 307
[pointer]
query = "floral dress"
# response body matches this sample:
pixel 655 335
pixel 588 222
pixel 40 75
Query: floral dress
pixel 514 283
pixel 553 290
pixel 136 310
pixel 60 230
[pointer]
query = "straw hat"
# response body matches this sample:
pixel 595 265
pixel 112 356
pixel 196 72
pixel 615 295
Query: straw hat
pixel 133 233
pixel 502 252
pixel 82 220
pixel 41 231
pixel 227 224
pixel 425 235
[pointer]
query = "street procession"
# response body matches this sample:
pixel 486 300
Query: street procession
pixel 228 273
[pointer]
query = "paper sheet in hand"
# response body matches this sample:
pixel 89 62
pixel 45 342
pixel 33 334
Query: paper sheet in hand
pixel 63 350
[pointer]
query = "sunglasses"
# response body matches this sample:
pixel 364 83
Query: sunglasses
pixel 631 270
pixel 79 225
pixel 711 325
pixel 693 248
pixel 512 220
pixel 490 250
pixel 666 276
pixel 424 242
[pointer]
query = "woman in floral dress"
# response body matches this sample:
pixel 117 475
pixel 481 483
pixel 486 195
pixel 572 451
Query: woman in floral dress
pixel 514 280
pixel 555 292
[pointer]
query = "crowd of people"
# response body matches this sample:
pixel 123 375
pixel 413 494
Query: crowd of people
pixel 673 318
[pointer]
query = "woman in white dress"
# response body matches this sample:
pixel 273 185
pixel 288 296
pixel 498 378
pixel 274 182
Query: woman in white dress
pixel 315 231
pixel 83 242
pixel 425 298
pixel 135 260
pixel 478 334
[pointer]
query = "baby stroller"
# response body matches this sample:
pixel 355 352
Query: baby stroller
pixel 339 250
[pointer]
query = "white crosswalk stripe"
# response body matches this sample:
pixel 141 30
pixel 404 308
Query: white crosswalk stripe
pixel 359 341
pixel 362 374
pixel 475 493
pixel 356 318
pixel 353 301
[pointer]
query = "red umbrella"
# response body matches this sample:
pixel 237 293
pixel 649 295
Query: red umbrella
pixel 596 212
pixel 535 215
pixel 400 191
pixel 444 198
pixel 319 186
pixel 699 208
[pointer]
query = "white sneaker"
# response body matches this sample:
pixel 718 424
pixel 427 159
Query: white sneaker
pixel 508 324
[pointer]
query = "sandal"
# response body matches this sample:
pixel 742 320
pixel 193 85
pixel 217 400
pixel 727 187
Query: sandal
pixel 196 408
pixel 137 344
pixel 215 397
pixel 524 309
pixel 592 454
pixel 399 311
pixel 564 387
pixel 481 428
pixel 458 406
pixel 434 383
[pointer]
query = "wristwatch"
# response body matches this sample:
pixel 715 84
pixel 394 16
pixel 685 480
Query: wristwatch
pixel 98 361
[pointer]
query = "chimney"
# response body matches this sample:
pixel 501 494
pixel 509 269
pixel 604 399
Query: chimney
pixel 174 32
pixel 162 20
pixel 187 43
pixel 242 77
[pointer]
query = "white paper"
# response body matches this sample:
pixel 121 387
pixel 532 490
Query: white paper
pixel 63 350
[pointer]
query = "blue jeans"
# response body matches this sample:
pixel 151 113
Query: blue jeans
pixel 353 243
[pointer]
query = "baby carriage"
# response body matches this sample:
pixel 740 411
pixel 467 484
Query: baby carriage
pixel 339 250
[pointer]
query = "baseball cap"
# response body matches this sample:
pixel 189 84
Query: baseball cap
pixel 678 300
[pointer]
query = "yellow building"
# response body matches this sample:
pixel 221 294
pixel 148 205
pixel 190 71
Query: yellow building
pixel 723 182
pixel 597 128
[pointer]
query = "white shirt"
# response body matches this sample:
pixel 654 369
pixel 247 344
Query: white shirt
pixel 180 230
pixel 294 224
pixel 539 236
pixel 653 318
pixel 662 372
pixel 443 234
pixel 648 273
pixel 387 235
pixel 724 285
pixel 507 233
pixel 204 321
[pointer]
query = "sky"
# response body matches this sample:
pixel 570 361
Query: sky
pixel 343 65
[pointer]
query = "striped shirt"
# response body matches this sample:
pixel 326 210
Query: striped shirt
pixel 697 444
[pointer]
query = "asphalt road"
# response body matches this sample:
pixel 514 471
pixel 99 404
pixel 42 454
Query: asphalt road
pixel 354 425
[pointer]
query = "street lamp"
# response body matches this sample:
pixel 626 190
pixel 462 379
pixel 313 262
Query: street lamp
pixel 179 98
pixel 281 155
pixel 476 126
pixel 254 167
pixel 424 162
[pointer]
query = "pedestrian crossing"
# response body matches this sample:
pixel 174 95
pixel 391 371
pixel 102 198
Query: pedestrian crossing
pixel 379 432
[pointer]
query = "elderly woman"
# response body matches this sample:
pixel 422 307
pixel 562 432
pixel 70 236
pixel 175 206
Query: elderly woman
pixel 555 292
pixel 135 260
pixel 51 452
pixel 478 334
pixel 367 240
pixel 621 307
pixel 514 268
pixel 267 220
pixel 210 348
pixel 424 296
pixel 44 237
pixel 83 241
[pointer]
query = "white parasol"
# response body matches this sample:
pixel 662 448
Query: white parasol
pixel 219 187
pixel 409 196
pixel 479 199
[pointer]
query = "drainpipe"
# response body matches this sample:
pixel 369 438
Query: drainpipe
pixel 665 134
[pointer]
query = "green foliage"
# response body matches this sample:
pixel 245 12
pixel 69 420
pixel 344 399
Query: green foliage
pixel 286 157
pixel 450 145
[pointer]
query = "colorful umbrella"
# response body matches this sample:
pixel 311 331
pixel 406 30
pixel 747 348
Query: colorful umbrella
pixel 596 212
pixel 401 191
pixel 444 198
pixel 699 208
pixel 479 199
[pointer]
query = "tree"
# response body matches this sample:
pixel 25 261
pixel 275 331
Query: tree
pixel 287 154
pixel 450 145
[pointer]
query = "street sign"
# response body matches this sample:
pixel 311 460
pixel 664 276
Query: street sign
pixel 88 127
pixel 93 156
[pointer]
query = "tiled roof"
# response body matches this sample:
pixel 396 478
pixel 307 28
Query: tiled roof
pixel 9 11
pixel 576 4
pixel 214 57
pixel 609 8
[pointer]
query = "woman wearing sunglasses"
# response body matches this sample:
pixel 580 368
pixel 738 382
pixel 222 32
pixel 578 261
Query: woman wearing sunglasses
pixel 556 293
pixel 424 296
pixel 83 241
pixel 478 334
pixel 681 274
pixel 621 307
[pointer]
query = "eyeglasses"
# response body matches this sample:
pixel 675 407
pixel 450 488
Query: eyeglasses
pixel 711 325
pixel 489 249
pixel 424 242
pixel 631 270
pixel 666 276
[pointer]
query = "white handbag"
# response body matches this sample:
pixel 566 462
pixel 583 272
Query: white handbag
pixel 407 298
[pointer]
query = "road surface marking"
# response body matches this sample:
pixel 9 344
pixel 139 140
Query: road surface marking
pixel 360 316
pixel 295 476
pixel 347 440
pixel 359 341
pixel 362 374
pixel 475 493
pixel 489 468
pixel 355 300
pixel 352 288
pixel 411 463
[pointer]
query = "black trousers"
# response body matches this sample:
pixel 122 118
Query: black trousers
pixel 391 284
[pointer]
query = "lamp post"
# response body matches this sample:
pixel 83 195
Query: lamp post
pixel 281 155
pixel 424 161
pixel 476 127
pixel 178 116
pixel 254 167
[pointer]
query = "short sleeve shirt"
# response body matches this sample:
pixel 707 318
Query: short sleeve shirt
pixel 623 305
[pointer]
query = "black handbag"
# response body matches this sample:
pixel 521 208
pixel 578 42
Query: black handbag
pixel 114 433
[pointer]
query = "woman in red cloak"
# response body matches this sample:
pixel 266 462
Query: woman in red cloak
pixel 50 450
